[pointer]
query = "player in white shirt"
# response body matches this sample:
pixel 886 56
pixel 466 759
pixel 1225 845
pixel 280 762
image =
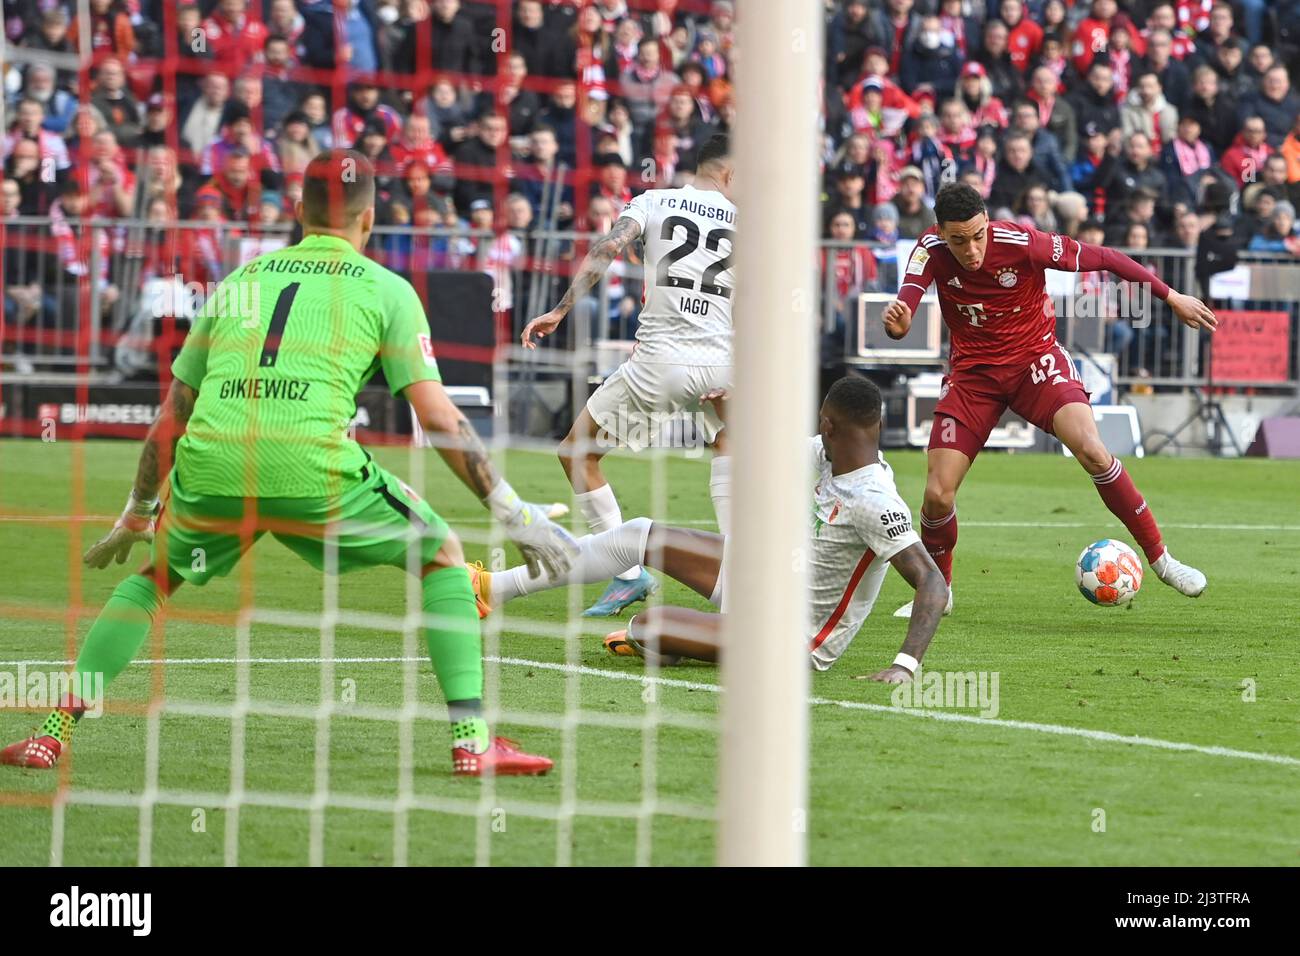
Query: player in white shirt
pixel 860 527
pixel 681 364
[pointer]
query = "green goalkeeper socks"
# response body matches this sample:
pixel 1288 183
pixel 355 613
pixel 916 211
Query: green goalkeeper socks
pixel 456 650
pixel 114 639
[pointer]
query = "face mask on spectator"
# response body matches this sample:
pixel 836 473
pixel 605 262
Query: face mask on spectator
pixel 930 40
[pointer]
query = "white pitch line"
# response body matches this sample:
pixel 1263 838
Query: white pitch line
pixel 1061 730
pixel 710 523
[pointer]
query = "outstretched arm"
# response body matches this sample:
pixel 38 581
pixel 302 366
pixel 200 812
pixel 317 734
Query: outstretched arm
pixel 918 569
pixel 1190 310
pixel 602 252
pixel 159 451
pixel 543 544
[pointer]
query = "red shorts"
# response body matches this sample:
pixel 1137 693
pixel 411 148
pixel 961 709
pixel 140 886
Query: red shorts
pixel 973 399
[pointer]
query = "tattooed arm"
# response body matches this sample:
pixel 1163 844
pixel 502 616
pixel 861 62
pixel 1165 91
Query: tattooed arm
pixel 602 252
pixel 453 436
pixel 159 451
pixel 545 546
pixel 160 443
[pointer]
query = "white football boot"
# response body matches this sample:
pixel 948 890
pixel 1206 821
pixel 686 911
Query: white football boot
pixel 906 609
pixel 1183 578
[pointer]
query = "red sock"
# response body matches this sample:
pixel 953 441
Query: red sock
pixel 1127 504
pixel 939 535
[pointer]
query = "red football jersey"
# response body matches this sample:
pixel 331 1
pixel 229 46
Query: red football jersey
pixel 999 313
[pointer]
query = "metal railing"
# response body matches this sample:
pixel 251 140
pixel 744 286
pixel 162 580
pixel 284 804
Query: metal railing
pixel 94 295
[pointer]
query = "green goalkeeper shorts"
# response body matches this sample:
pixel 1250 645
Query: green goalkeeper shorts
pixel 380 521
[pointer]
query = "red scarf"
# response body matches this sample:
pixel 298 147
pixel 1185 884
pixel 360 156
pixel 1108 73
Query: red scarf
pixel 1192 158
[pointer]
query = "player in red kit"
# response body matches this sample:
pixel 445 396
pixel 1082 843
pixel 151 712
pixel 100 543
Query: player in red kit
pixel 1004 353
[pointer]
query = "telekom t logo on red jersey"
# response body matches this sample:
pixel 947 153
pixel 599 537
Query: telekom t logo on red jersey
pixel 973 311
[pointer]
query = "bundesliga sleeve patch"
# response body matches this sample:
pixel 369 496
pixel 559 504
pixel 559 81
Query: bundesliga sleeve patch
pixel 917 264
pixel 426 346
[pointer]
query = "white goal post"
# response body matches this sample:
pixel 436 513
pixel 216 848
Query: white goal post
pixel 763 799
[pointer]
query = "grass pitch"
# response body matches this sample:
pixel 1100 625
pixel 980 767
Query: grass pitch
pixel 1049 781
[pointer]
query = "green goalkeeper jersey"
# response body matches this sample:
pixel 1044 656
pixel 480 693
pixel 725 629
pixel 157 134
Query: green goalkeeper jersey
pixel 278 354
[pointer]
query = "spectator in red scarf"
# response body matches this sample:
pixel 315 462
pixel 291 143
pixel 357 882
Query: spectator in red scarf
pixel 239 133
pixel 1122 60
pixel 964 30
pixel 956 131
pixel 1095 168
pixel 1183 158
pixel 53 151
pixel 982 168
pixel 235 36
pixel 1163 17
pixel 1052 57
pixel 976 94
pixel 234 186
pixel 1055 114
pixel 417 145
pixel 1092 35
pixel 684 128
pixel 111 182
pixel 627 40
pixel 611 181
pixel 585 51
pixel 646 85
pixel 1024 36
pixel 1244 159
pixel 848 270
pixel 363 103
pixel 1147 111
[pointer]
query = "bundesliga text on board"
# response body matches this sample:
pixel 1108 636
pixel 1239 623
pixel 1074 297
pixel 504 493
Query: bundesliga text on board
pixel 76 909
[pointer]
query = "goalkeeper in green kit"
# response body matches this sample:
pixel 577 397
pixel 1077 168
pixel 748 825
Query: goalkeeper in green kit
pixel 257 417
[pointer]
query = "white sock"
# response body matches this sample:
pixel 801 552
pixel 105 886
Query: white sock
pixel 599 557
pixel 600 508
pixel 720 491
pixel 719 589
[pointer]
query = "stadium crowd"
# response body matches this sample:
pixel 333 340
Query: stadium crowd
pixel 1133 123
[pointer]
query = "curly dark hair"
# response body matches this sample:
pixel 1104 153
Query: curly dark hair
pixel 857 398
pixel 957 202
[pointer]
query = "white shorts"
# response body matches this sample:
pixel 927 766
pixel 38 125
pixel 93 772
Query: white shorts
pixel 647 404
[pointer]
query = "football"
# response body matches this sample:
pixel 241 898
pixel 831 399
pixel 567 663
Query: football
pixel 1109 573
